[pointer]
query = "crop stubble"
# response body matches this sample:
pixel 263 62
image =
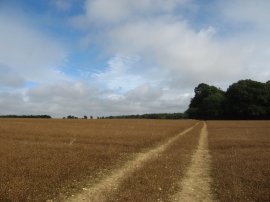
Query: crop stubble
pixel 52 159
pixel 158 179
pixel 196 184
pixel 240 153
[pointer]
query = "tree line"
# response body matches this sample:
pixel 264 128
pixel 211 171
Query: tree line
pixel 26 116
pixel 149 116
pixel 75 117
pixel 245 99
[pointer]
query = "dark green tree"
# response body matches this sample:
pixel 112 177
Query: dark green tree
pixel 248 99
pixel 268 107
pixel 208 103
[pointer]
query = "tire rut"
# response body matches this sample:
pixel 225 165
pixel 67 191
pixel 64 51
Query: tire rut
pixel 196 183
pixel 103 189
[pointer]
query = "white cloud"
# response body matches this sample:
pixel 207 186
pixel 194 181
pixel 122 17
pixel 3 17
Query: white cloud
pixel 63 5
pixel 249 12
pixel 163 38
pixel 9 78
pixel 120 74
pixel 12 103
pixel 250 20
pixel 172 45
pixel 64 98
pixel 144 93
pixel 27 51
pixel 115 11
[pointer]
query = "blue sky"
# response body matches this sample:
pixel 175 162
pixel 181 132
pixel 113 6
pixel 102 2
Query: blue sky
pixel 101 57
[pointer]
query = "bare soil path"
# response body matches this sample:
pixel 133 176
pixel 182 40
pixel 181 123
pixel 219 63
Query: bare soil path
pixel 196 183
pixel 102 190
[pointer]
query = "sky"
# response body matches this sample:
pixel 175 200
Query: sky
pixel 116 57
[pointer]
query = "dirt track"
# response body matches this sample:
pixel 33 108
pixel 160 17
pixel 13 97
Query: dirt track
pixel 100 191
pixel 196 183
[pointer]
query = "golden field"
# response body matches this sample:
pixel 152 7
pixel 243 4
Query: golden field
pixel 240 160
pixel 50 159
pixel 158 180
pixel 47 159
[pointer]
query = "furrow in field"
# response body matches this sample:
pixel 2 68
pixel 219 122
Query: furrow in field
pixel 196 183
pixel 102 190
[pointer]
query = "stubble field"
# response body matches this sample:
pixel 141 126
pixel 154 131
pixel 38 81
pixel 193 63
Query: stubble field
pixel 134 160
pixel 47 159
pixel 240 153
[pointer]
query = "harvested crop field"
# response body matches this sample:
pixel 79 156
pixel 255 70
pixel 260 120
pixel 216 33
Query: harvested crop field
pixel 240 153
pixel 158 180
pixel 134 160
pixel 53 159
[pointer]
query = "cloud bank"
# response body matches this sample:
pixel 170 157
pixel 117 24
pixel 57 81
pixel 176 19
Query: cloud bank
pixel 156 52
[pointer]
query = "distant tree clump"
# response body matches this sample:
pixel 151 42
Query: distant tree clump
pixel 26 116
pixel 71 117
pixel 246 99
